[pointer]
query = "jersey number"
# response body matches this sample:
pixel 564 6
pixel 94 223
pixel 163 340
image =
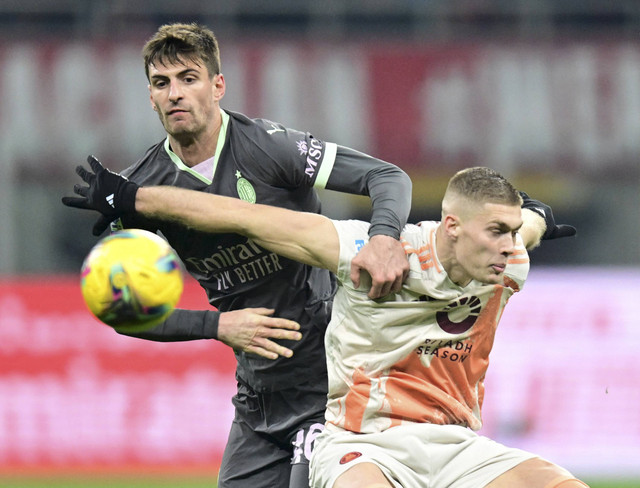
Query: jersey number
pixel 303 443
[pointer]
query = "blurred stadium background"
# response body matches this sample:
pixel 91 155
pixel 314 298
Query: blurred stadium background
pixel 547 92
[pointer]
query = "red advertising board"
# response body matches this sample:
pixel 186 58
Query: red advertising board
pixel 75 393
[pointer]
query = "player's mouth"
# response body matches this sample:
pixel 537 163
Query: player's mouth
pixel 176 111
pixel 498 268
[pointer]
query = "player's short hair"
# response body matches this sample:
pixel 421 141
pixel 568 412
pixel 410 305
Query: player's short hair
pixel 177 43
pixel 481 185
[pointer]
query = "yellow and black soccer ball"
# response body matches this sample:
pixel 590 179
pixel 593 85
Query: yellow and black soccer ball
pixel 132 280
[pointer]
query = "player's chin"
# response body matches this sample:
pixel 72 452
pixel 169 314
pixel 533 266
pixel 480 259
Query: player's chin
pixel 494 276
pixel 180 129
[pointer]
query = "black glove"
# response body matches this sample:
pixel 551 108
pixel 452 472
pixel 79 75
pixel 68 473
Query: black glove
pixel 109 193
pixel 553 231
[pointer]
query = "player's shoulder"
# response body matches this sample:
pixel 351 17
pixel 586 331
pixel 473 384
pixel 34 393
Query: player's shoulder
pixel 261 131
pixel 154 159
pixel 351 228
pixel 247 123
pixel 420 233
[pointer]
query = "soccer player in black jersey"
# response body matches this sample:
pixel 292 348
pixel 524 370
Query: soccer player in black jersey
pixel 282 386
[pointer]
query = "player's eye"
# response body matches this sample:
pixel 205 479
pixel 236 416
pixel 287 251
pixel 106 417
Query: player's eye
pixel 500 231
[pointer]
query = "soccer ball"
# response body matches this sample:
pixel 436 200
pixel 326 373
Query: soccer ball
pixel 131 280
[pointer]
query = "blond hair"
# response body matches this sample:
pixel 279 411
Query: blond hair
pixel 479 185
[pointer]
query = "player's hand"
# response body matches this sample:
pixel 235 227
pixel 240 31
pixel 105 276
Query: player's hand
pixel 109 193
pixel 383 257
pixel 553 230
pixel 253 330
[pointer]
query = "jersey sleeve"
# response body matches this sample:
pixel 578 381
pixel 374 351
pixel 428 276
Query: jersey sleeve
pixel 182 325
pixel 287 158
pixel 388 187
pixel 353 235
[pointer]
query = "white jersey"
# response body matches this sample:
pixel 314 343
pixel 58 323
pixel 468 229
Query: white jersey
pixel 419 356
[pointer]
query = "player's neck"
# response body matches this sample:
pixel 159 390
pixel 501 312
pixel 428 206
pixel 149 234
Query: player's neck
pixel 193 149
pixel 445 250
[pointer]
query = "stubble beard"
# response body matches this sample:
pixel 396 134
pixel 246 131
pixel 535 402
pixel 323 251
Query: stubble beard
pixel 184 134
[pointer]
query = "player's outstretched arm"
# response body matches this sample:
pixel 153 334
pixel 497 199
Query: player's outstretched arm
pixel 251 330
pixel 305 237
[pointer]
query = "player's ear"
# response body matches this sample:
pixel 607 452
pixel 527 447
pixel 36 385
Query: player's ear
pixel 219 86
pixel 451 225
pixel 153 105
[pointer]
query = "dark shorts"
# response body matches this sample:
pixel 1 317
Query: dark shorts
pixel 271 437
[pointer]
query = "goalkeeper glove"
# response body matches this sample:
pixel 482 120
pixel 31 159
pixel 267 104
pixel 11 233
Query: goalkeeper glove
pixel 109 193
pixel 553 230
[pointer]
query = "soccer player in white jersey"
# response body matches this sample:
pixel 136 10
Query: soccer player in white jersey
pixel 406 372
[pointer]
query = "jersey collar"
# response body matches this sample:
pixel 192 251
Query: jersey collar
pixel 221 138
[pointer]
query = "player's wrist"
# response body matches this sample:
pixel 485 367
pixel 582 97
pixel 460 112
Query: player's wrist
pixel 127 197
pixel 384 230
pixel 210 324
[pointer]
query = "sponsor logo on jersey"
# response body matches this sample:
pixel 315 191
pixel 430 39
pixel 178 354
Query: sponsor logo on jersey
pixel 456 351
pixel 274 130
pixel 468 307
pixel 359 245
pixel 245 189
pixel 236 265
pixel 314 152
pixel 347 458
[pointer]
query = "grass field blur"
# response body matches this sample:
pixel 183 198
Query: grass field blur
pixel 107 481
pixel 102 480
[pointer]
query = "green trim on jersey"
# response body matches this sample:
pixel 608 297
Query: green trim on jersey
pixel 221 138
pixel 326 167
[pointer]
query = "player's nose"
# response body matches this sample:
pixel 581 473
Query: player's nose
pixel 175 91
pixel 507 244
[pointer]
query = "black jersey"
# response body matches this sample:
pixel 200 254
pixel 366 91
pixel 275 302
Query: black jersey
pixel 264 162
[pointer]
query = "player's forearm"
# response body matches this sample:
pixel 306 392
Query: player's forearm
pixel 304 237
pixel 205 212
pixel 390 193
pixel 388 187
